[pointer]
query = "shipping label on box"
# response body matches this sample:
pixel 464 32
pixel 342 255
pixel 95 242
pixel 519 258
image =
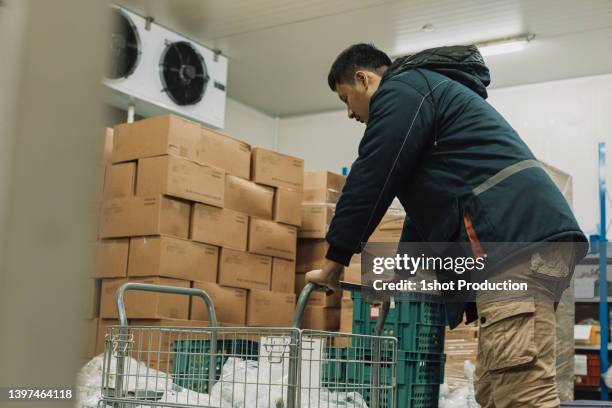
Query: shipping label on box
pixel 139 216
pixel 232 155
pixel 120 180
pixel 219 226
pixel 288 206
pixel 112 258
pixel 271 309
pixel 283 275
pixel 271 238
pixel 248 197
pixel 276 169
pixel 230 303
pixel 155 137
pixel 145 305
pixel 173 258
pixel 244 270
pixel 182 178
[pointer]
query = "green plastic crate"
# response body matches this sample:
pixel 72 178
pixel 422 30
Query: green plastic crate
pixel 418 321
pixel 333 368
pixel 192 360
pixel 407 396
pixel 412 368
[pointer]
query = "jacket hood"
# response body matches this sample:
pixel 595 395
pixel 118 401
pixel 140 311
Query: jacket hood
pixel 462 63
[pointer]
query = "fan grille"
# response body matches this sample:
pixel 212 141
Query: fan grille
pixel 124 44
pixel 183 73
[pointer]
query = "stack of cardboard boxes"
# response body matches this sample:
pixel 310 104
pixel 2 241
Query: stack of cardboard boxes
pixel 460 345
pixel 189 207
pixel 321 192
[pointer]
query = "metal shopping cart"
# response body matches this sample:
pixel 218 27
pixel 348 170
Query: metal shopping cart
pixel 222 366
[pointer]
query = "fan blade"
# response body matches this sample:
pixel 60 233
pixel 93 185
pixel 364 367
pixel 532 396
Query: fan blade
pixel 178 51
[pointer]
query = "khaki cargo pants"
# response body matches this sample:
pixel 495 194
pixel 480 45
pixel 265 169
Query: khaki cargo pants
pixel 515 365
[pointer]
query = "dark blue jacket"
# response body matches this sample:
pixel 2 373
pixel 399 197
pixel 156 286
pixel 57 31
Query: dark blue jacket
pixel 435 143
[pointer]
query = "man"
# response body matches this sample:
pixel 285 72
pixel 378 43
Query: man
pixel 463 175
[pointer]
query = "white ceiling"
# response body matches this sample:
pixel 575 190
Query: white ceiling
pixel 280 51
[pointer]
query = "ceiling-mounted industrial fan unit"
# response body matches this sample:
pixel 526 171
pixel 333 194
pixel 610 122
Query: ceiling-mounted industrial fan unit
pixel 160 71
pixel 124 45
pixel 183 73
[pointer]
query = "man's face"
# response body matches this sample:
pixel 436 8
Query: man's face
pixel 357 95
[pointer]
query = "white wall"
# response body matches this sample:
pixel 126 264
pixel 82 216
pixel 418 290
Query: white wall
pixel 325 140
pixel 561 121
pixel 248 124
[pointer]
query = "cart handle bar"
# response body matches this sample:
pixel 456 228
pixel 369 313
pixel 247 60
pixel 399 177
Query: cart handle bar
pixel 146 287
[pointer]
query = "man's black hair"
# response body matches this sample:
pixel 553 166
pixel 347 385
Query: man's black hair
pixel 354 58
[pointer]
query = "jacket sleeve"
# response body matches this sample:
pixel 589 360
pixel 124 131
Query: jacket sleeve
pixel 399 129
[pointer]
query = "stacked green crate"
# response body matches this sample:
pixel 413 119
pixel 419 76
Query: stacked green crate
pixel 418 322
pixel 192 360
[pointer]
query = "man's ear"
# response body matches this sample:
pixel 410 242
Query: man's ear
pixel 361 77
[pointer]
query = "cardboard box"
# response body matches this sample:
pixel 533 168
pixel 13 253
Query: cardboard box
pixel 321 318
pixel 392 221
pixel 346 316
pixel 138 216
pixel 276 169
pixel 310 254
pixel 271 238
pixel 247 197
pixel 219 226
pixel 283 275
pixel 156 136
pixel 173 258
pixel 288 206
pixel 159 343
pixel 119 180
pixel 244 270
pixel 322 187
pixel 145 305
pixel 230 303
pixel 352 273
pixel 318 297
pixel 182 178
pixel 386 235
pixel 271 309
pixel 93 302
pixel 107 150
pixel 315 220
pixel 112 258
pixel 232 155
pixel 90 326
pixel 586 334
